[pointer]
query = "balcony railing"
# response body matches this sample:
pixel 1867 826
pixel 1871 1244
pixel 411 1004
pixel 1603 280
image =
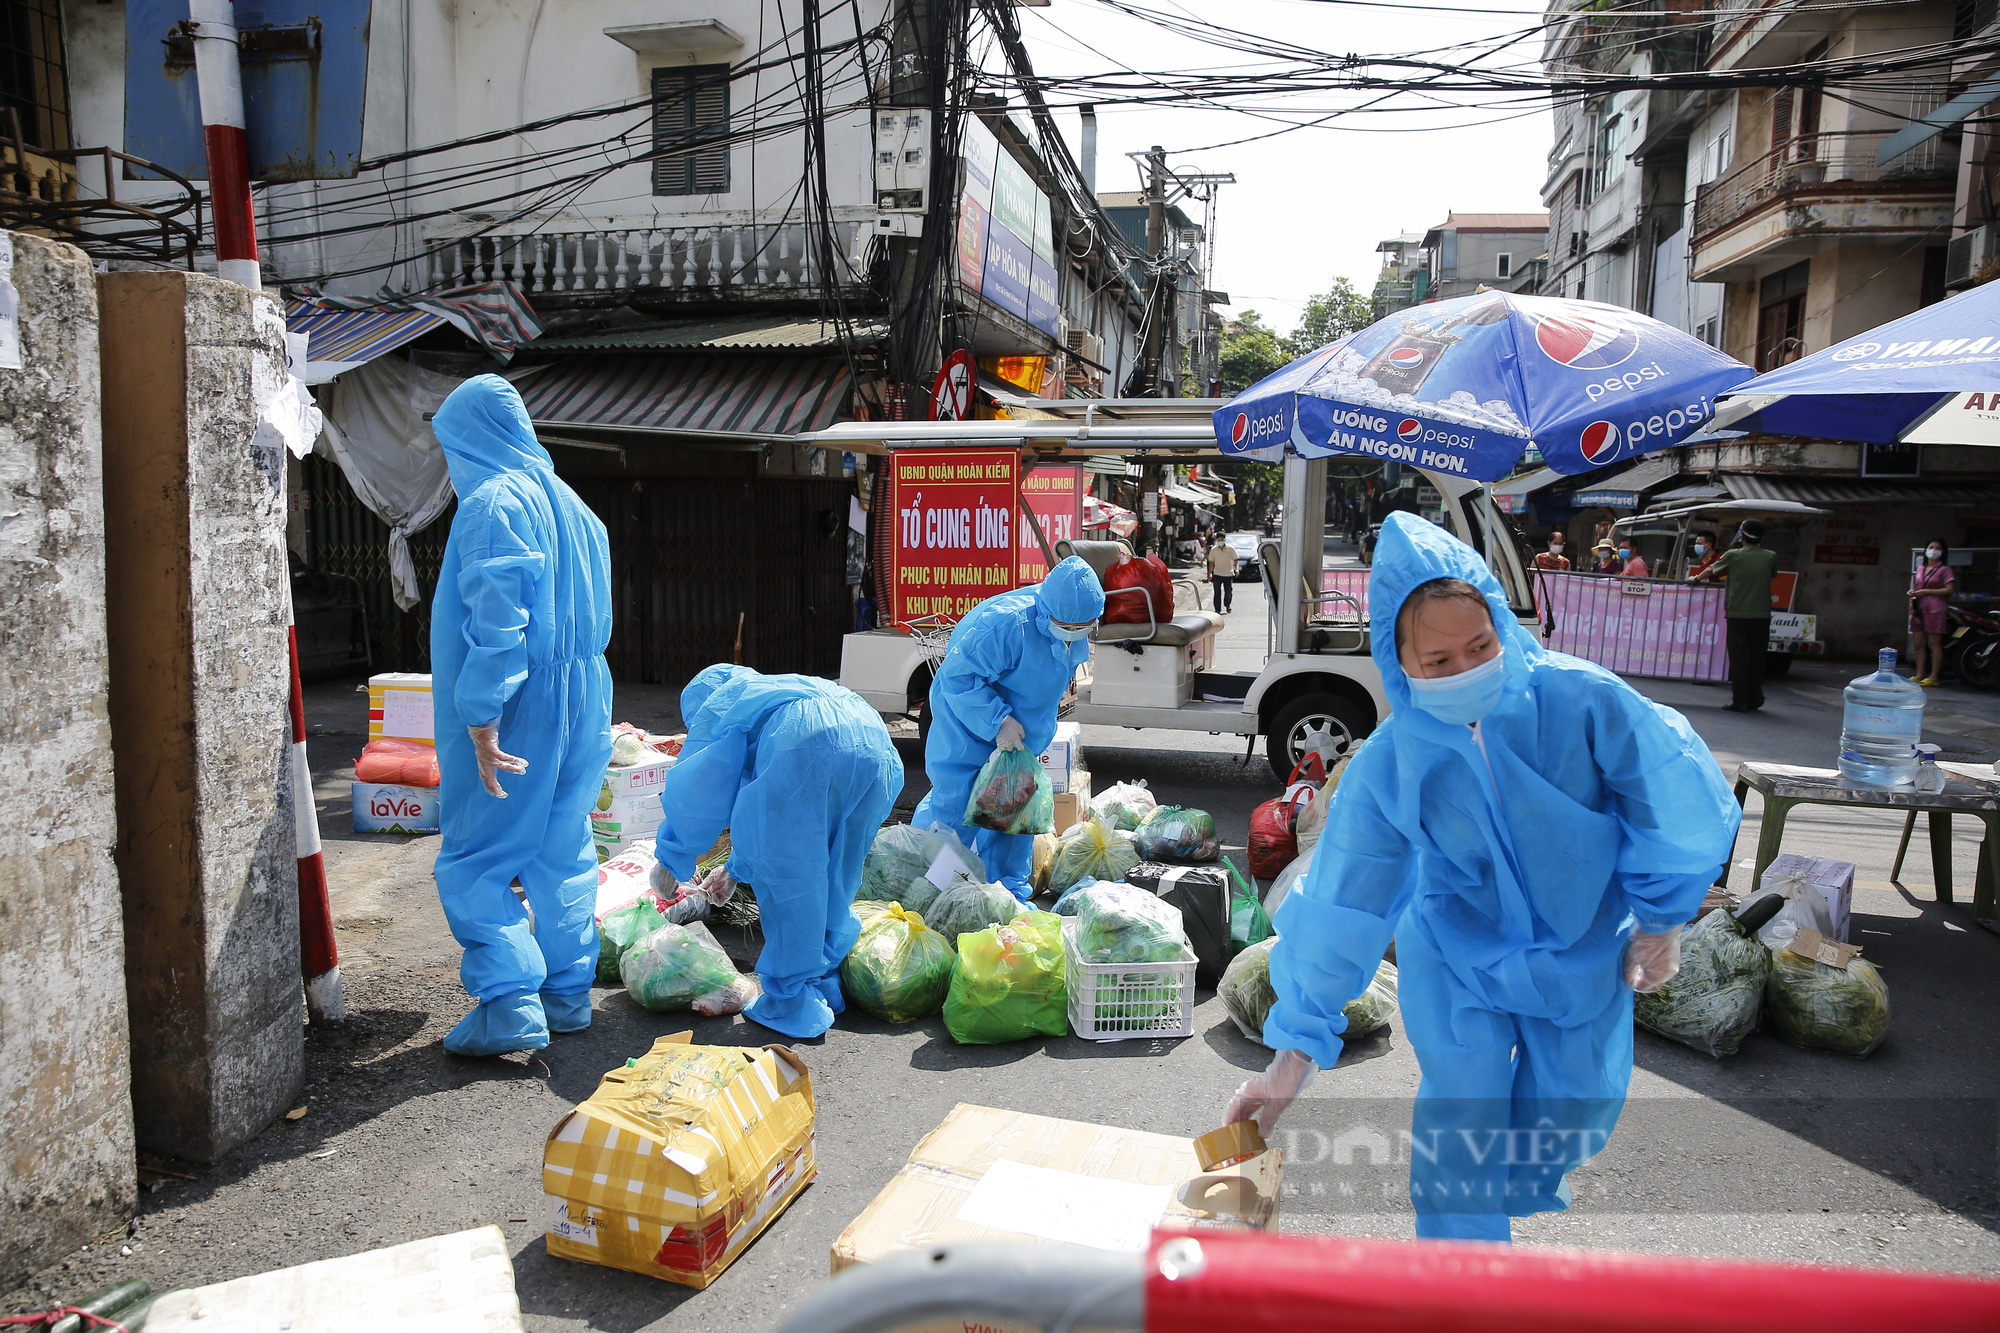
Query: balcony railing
pixel 1834 163
pixel 733 257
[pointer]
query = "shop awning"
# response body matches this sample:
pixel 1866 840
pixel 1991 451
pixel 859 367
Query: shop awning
pixel 1623 490
pixel 1192 495
pixel 1812 490
pixel 1527 483
pixel 1689 494
pixel 750 396
pixel 345 333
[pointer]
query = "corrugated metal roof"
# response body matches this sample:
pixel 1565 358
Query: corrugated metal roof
pixel 701 395
pixel 1528 483
pixel 1813 490
pixel 734 333
pixel 1622 490
pixel 1494 222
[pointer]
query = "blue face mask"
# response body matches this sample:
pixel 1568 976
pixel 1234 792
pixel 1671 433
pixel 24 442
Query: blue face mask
pixel 1464 698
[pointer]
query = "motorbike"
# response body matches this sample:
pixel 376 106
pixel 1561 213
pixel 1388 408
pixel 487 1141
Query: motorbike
pixel 1972 647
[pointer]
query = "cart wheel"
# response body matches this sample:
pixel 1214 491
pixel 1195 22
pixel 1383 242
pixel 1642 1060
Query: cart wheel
pixel 1777 664
pixel 1307 718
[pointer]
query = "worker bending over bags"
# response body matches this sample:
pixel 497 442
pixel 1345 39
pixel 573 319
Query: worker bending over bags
pixel 519 623
pixel 802 774
pixel 1533 832
pixel 1009 663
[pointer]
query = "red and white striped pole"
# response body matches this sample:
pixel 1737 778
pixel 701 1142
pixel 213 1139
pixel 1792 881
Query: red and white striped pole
pixel 219 76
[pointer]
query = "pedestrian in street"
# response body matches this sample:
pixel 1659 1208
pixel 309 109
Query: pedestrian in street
pixel 1746 610
pixel 1222 569
pixel 1635 566
pixel 1930 597
pixel 802 774
pixel 1009 663
pixel 1607 558
pixel 1532 832
pixel 1705 553
pixel 1553 559
pixel 519 625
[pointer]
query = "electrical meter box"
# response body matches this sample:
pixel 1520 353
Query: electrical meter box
pixel 902 158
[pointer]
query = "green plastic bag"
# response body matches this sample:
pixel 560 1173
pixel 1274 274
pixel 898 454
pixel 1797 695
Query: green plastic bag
pixel 1118 923
pixel 1012 795
pixel 1249 923
pixel 682 967
pixel 1178 835
pixel 1094 850
pixel 1009 983
pixel 899 969
pixel 901 855
pixel 620 930
pixel 1823 1008
pixel 1246 993
pixel 1714 1001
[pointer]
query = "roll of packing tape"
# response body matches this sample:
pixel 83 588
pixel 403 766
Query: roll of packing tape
pixel 1230 1144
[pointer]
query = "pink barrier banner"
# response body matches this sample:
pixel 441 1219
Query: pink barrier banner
pixel 1353 582
pixel 1636 627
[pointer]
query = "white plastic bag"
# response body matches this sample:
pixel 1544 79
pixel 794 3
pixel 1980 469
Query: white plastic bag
pixel 1282 885
pixel 1805 908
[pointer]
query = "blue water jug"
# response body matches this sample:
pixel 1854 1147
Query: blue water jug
pixel 1882 724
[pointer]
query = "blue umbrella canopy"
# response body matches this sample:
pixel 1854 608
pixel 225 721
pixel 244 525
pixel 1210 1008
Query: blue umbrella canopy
pixel 1927 378
pixel 1465 386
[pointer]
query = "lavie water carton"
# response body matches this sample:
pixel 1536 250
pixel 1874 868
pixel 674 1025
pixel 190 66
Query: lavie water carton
pixel 380 807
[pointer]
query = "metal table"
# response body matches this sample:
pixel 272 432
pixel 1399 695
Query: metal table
pixel 1970 789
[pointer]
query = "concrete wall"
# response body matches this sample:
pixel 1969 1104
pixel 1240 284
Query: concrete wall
pixel 199 690
pixel 66 1175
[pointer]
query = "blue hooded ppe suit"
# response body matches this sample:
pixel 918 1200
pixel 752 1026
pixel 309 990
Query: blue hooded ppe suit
pixel 802 774
pixel 1003 662
pixel 1511 862
pixel 519 624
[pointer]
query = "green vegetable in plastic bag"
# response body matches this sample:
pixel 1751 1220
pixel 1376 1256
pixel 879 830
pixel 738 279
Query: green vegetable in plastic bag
pixel 1178 835
pixel 1067 904
pixel 902 854
pixel 682 967
pixel 969 905
pixel 899 969
pixel 1012 795
pixel 619 930
pixel 1823 1008
pixel 1249 923
pixel 1713 1002
pixel 1010 983
pixel 1123 805
pixel 1093 851
pixel 1118 923
pixel 1247 995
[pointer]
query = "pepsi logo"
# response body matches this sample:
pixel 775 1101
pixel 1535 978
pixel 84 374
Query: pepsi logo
pixel 1586 342
pixel 1407 358
pixel 1240 429
pixel 1599 441
pixel 1410 429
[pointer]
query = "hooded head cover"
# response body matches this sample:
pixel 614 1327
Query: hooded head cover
pixel 706 682
pixel 485 431
pixel 1412 551
pixel 1071 593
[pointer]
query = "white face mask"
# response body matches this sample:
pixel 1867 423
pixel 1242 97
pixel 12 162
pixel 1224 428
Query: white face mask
pixel 1555 548
pixel 1934 553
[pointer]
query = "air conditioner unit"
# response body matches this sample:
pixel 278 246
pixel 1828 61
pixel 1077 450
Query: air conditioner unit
pixel 1084 343
pixel 1966 256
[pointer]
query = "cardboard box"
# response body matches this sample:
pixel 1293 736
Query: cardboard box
pixel 628 804
pixel 1073 806
pixel 1834 879
pixel 399 707
pixel 1064 757
pixel 680 1159
pixel 381 807
pixel 992 1175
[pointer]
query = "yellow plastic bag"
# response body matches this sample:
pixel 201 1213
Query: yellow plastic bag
pixel 899 969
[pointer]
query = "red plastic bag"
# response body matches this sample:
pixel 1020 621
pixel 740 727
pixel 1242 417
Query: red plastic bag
pixel 1273 842
pixel 399 763
pixel 1127 608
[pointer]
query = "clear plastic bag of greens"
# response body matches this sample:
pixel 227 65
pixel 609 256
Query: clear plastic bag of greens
pixel 969 905
pixel 620 929
pixel 1178 835
pixel 1246 993
pixel 1370 1011
pixel 1010 983
pixel 1068 903
pixel 1123 805
pixel 899 969
pixel 682 967
pixel 1093 850
pixel 1248 922
pixel 1012 795
pixel 902 854
pixel 1714 1001
pixel 1844 1010
pixel 1119 923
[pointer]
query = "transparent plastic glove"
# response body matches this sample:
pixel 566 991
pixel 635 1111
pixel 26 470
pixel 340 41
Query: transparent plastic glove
pixel 1012 734
pixel 492 759
pixel 1652 960
pixel 718 886
pixel 663 882
pixel 1265 1097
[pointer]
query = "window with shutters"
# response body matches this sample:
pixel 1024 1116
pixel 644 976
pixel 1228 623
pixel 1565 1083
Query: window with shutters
pixel 690 109
pixel 33 83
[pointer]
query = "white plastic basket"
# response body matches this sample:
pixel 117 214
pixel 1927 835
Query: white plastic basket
pixel 1119 1001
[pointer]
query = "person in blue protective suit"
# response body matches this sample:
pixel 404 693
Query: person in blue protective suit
pixel 1009 663
pixel 802 774
pixel 519 624
pixel 1532 832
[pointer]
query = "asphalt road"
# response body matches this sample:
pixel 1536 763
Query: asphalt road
pixel 1775 1153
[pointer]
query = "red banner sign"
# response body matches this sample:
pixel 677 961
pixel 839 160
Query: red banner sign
pixel 1055 496
pixel 955 533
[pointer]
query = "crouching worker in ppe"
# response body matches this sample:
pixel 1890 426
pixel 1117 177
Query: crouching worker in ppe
pixel 1533 832
pixel 802 774
pixel 1009 663
pixel 519 624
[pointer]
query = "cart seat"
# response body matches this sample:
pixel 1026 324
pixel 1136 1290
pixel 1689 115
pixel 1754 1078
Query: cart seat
pixel 1184 629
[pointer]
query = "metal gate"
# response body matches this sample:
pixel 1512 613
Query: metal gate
pixel 345 537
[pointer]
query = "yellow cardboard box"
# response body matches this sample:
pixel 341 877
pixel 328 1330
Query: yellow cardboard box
pixel 992 1175
pixel 677 1161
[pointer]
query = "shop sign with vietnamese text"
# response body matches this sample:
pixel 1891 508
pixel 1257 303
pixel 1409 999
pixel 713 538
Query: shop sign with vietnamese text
pixel 955 529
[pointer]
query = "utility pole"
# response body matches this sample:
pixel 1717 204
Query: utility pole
pixel 1159 314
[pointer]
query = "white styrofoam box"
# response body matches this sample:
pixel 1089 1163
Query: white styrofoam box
pixel 1834 880
pixel 1154 677
pixel 382 807
pixel 647 779
pixel 399 707
pixel 1064 754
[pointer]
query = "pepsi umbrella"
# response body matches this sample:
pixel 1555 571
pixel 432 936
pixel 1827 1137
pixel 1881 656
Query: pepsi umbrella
pixel 1463 387
pixel 1927 378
